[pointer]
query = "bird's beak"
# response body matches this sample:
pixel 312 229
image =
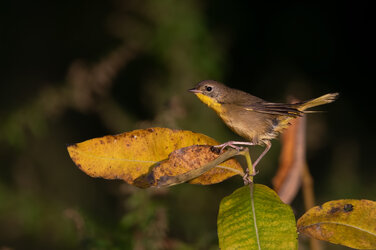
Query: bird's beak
pixel 194 90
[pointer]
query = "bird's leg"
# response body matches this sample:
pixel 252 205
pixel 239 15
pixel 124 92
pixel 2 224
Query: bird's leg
pixel 254 172
pixel 233 144
pixel 268 146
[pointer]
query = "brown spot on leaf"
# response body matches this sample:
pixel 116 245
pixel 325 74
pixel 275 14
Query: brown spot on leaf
pixel 215 150
pixel 348 208
pixel 334 210
pixel 150 130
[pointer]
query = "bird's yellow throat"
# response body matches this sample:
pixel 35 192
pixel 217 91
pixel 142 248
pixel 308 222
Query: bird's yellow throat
pixel 211 102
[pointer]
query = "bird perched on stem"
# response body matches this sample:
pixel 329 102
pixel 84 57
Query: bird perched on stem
pixel 251 117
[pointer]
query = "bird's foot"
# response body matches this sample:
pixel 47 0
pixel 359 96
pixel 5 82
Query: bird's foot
pixel 232 144
pixel 246 179
pixel 247 176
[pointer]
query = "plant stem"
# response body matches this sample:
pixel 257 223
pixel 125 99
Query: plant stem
pixel 251 173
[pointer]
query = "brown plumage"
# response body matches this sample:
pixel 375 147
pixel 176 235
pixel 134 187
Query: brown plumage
pixel 251 117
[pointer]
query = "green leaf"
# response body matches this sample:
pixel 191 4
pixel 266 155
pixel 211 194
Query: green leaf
pixel 347 222
pixel 256 220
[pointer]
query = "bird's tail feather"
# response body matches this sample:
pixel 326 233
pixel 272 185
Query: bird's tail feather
pixel 328 98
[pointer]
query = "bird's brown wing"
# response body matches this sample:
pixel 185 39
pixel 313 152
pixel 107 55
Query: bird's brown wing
pixel 275 108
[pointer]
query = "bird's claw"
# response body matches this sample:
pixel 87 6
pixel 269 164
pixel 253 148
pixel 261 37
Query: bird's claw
pixel 247 176
pixel 224 145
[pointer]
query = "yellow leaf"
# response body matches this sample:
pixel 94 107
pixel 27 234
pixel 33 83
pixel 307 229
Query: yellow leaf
pixel 130 156
pixel 190 158
pixel 347 222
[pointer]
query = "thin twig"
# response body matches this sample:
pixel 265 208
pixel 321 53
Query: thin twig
pixel 307 185
pixel 241 173
pixel 173 180
pixel 309 200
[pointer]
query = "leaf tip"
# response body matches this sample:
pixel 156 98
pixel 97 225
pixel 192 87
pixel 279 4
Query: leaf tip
pixel 71 151
pixel 71 146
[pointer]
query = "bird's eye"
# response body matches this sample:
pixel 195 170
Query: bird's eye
pixel 208 88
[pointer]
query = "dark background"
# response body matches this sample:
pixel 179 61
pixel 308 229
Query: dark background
pixel 75 70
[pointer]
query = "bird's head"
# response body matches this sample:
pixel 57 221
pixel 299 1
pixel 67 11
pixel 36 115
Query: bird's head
pixel 210 92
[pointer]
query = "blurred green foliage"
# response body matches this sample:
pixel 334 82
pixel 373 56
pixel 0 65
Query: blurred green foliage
pixel 76 70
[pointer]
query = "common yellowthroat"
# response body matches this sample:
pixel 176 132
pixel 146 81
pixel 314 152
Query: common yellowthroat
pixel 251 117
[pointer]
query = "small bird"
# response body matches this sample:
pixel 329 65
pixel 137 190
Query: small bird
pixel 251 117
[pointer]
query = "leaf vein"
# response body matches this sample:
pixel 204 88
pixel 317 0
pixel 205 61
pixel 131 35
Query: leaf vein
pixel 339 223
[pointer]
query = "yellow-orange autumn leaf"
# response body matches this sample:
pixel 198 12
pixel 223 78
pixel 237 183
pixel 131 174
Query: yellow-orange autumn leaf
pixel 184 160
pixel 347 222
pixel 131 156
